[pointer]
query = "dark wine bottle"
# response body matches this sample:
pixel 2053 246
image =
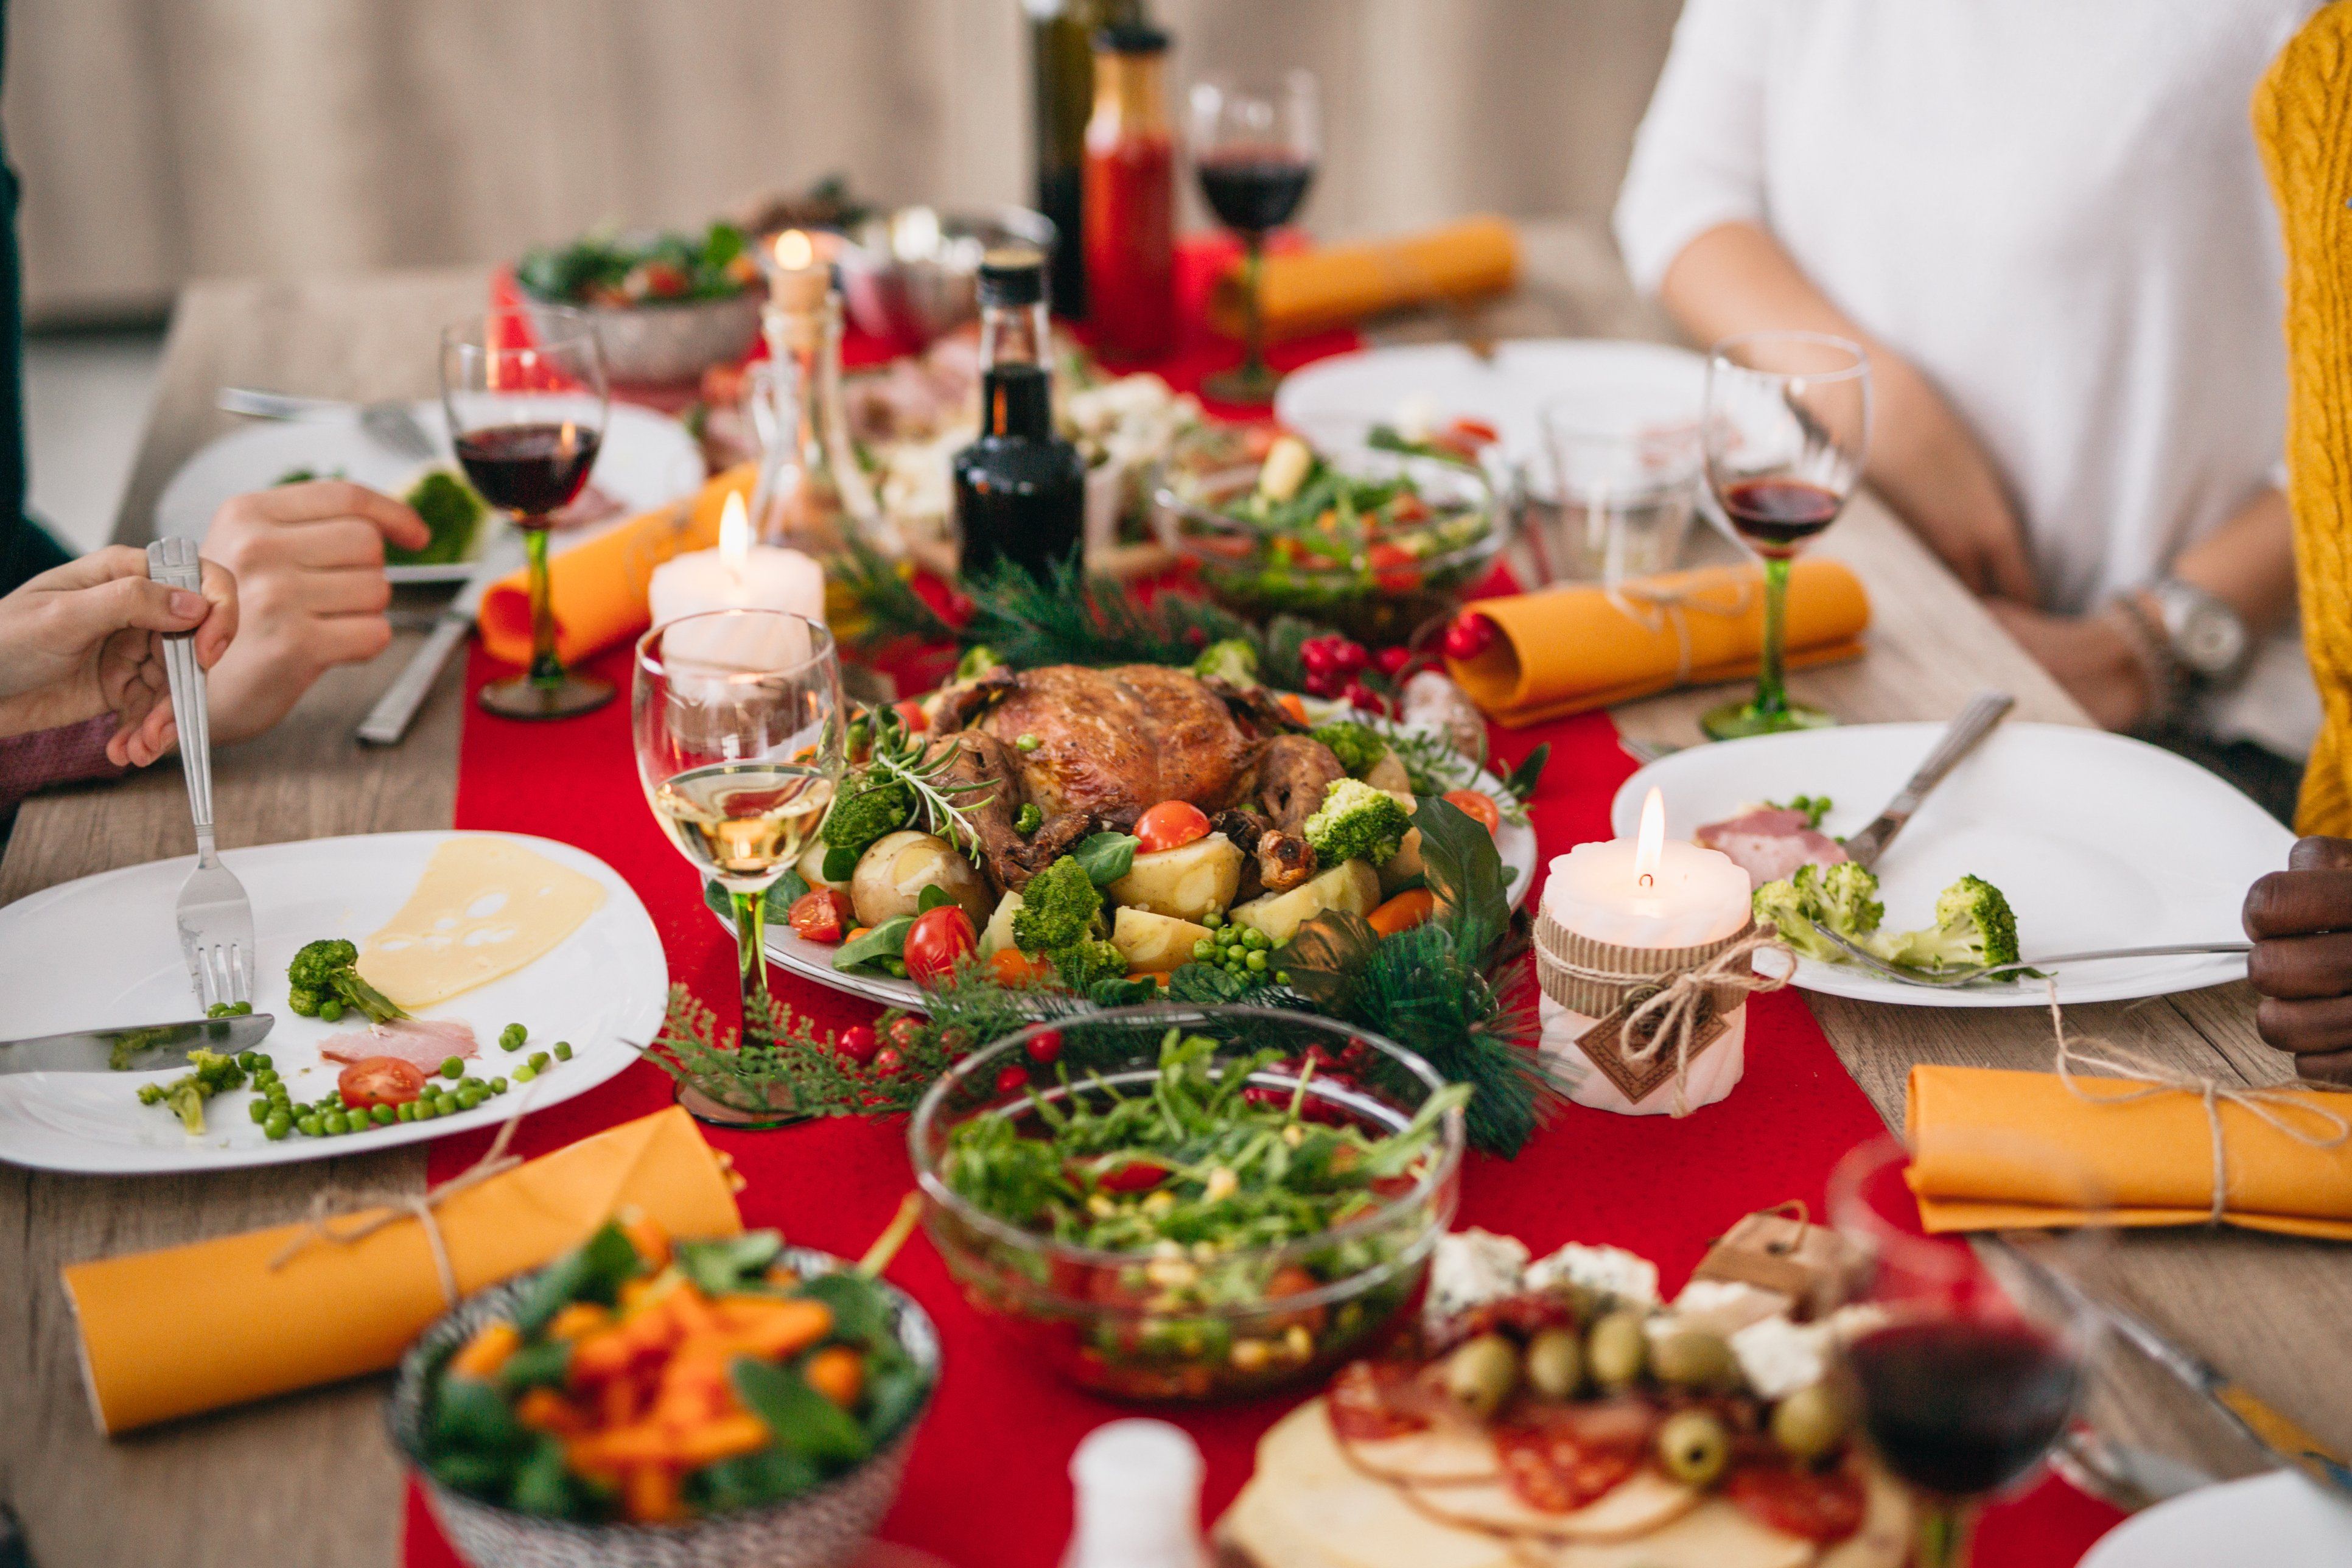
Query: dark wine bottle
pixel 1020 489
pixel 1062 94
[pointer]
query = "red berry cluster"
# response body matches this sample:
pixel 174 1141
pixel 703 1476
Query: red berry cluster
pixel 1470 634
pixel 1334 669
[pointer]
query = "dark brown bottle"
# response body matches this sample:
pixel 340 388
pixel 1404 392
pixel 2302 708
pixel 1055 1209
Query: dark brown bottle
pixel 1020 489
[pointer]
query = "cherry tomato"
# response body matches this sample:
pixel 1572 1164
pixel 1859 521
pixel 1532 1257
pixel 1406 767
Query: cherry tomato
pixel 1349 657
pixel 379 1080
pixel 1477 806
pixel 1012 1079
pixel 821 915
pixel 1392 661
pixel 1395 570
pixel 888 1061
pixel 1171 824
pixel 913 712
pixel 857 1043
pixel 1361 695
pixel 1476 431
pixel 906 1033
pixel 1132 1176
pixel 1471 635
pixel 936 941
pixel 1046 1049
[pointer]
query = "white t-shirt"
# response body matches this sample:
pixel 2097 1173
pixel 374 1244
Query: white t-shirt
pixel 2054 209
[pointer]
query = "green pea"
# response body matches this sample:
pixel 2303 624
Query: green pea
pixel 1282 977
pixel 455 1067
pixel 1212 919
pixel 307 1125
pixel 525 1073
pixel 383 1115
pixel 334 1122
pixel 1205 949
pixel 245 1059
pixel 564 1050
pixel 445 1105
pixel 539 1060
pixel 468 1098
pixel 1028 743
pixel 331 1009
pixel 498 1086
pixel 512 1036
pixel 278 1126
pixel 261 1059
pixel 258 1110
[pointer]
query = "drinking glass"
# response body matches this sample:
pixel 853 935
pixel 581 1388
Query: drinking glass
pixel 1255 147
pixel 1962 1381
pixel 1626 488
pixel 738 720
pixel 1786 428
pixel 526 400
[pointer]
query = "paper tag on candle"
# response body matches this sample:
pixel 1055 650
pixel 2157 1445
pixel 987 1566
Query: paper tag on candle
pixel 1775 1249
pixel 1609 1041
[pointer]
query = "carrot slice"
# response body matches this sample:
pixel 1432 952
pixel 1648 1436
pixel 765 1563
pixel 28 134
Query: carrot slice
pixel 487 1352
pixel 1403 913
pixel 838 1372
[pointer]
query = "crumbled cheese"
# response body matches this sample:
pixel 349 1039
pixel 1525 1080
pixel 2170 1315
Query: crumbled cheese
pixel 1777 1357
pixel 1469 1269
pixel 1610 1270
pixel 1727 1306
pixel 1848 1324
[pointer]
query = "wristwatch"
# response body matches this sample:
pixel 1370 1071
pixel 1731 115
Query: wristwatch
pixel 2185 637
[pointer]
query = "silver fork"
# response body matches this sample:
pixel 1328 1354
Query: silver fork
pixel 215 917
pixel 1946 979
pixel 393 426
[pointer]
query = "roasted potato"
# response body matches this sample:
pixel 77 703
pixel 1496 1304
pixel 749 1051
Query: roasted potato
pixel 1404 864
pixel 1154 943
pixel 1351 886
pixel 1185 882
pixel 1389 774
pixel 892 874
pixel 998 932
pixel 812 865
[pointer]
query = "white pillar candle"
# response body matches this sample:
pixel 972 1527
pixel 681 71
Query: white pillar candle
pixel 738 575
pixel 1646 893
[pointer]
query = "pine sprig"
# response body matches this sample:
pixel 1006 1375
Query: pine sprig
pixel 888 608
pixel 1069 615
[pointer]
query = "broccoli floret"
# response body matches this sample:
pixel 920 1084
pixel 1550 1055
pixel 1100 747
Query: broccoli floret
pixel 1843 897
pixel 1784 906
pixel 871 806
pixel 976 661
pixel 325 981
pixel 1357 822
pixel 1081 963
pixel 1974 925
pixel 1358 746
pixel 1058 910
pixel 1814 807
pixel 186 1095
pixel 450 511
pixel 1231 660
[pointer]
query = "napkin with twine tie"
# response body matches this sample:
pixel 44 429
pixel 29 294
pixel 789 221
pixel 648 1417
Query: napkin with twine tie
pixel 1308 290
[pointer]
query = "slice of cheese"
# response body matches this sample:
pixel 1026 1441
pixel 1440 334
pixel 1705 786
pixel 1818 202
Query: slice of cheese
pixel 484 907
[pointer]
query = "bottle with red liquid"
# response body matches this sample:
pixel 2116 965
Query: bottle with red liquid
pixel 1129 198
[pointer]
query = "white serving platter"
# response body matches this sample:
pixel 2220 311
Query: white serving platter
pixel 2279 1520
pixel 104 951
pixel 2098 841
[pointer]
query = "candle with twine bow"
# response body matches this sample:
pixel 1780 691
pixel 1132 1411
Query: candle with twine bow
pixel 1643 951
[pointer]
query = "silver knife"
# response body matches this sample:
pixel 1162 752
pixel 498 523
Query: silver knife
pixel 388 720
pixel 139 1048
pixel 1976 722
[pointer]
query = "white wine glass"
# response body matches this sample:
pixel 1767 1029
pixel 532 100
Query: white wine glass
pixel 738 728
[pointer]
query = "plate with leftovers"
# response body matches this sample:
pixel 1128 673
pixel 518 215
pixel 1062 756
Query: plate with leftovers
pixel 423 984
pixel 2048 839
pixel 647 460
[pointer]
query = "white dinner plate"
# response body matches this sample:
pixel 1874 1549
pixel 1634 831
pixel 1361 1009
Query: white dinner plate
pixel 2279 1520
pixel 104 951
pixel 2097 840
pixel 1516 843
pixel 1651 383
pixel 647 459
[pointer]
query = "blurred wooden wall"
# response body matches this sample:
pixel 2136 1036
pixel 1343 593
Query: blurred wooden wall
pixel 161 139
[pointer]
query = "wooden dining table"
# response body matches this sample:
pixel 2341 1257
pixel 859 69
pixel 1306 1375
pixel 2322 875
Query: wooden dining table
pixel 310 1478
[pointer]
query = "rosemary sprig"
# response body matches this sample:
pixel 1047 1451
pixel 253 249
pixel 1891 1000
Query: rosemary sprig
pixel 898 752
pixel 1436 765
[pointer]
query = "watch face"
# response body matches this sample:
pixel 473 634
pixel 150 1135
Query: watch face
pixel 2210 638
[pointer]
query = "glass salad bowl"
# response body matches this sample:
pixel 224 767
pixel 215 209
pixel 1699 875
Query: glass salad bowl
pixel 1265 1228
pixel 1378 571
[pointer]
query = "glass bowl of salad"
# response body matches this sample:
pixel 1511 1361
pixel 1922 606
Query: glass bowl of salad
pixel 1190 1205
pixel 667 307
pixel 1375 540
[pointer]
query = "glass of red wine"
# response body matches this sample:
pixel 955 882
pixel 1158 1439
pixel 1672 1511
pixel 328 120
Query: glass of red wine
pixel 1963 1375
pixel 526 400
pixel 1786 428
pixel 1255 148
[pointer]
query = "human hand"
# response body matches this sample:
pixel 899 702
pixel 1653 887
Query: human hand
pixel 2090 655
pixel 86 639
pixel 309 560
pixel 2301 922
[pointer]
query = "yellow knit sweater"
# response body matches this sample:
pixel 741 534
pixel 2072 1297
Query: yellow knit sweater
pixel 2302 117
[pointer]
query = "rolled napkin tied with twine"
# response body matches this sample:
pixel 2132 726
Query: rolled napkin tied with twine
pixel 597 589
pixel 190 1329
pixel 1336 286
pixel 1568 650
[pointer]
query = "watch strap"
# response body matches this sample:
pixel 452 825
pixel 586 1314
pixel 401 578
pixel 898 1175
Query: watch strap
pixel 2151 644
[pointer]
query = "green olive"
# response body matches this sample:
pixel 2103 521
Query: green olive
pixel 1692 1358
pixel 1692 1447
pixel 1809 1422
pixel 1556 1363
pixel 1617 1350
pixel 1482 1374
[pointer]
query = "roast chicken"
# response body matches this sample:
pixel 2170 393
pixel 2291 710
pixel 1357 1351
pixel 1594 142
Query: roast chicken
pixel 1095 749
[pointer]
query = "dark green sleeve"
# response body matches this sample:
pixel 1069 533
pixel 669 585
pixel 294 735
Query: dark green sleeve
pixel 26 547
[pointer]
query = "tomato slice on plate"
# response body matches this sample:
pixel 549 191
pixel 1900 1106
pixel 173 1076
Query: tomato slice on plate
pixel 1817 1505
pixel 1476 805
pixel 379 1080
pixel 1171 825
pixel 821 915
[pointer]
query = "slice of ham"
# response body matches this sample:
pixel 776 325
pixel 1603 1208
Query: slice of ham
pixel 1769 843
pixel 423 1043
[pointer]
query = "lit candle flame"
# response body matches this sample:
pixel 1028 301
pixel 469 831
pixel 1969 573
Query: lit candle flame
pixel 795 250
pixel 1650 848
pixel 735 537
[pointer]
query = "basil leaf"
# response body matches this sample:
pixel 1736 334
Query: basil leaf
pixel 721 1268
pixel 877 947
pixel 543 1484
pixel 1106 856
pixel 802 1420
pixel 542 1364
pixel 1205 983
pixel 1463 872
pixel 930 898
pixel 858 1315
pixel 840 862
pixel 766 1475
pixel 593 1272
pixel 1522 779
pixel 471 1416
pixel 783 892
pixel 895 1386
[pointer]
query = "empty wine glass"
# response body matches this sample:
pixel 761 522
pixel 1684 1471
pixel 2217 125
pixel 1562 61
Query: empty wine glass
pixel 1963 1382
pixel 1786 428
pixel 737 721
pixel 526 400
pixel 1255 148
pixel 1626 487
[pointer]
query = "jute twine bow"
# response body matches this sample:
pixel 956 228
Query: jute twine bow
pixel 325 1208
pixel 1675 1011
pixel 2275 1105
pixel 1656 608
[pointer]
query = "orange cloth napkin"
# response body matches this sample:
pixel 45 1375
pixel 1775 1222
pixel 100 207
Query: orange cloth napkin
pixel 190 1329
pixel 598 590
pixel 2154 1156
pixel 1568 649
pixel 1306 292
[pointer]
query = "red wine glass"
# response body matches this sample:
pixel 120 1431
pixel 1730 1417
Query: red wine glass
pixel 1255 148
pixel 1786 428
pixel 1962 1370
pixel 526 399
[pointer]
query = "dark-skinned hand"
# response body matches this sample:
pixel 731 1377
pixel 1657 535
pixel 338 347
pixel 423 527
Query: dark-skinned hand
pixel 2301 922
